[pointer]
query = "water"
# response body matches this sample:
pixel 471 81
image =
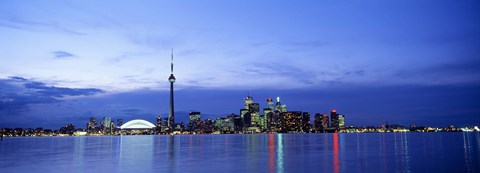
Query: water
pixel 282 153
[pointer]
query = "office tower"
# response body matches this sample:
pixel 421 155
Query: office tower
pixel 112 126
pixel 243 112
pixel 270 104
pixel 317 121
pixel 341 121
pixel 334 119
pixel 106 124
pixel 254 109
pixel 325 122
pixel 171 115
pixel 208 127
pixel 159 121
pixel 92 125
pixel 306 122
pixel 194 118
pixel 248 100
pixel 279 107
pixel 268 118
pixel 247 120
pixel 293 121
pixel 237 124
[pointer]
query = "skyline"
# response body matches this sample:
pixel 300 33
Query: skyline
pixel 401 62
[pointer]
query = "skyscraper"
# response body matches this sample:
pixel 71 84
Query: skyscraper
pixel 194 122
pixel 306 122
pixel 270 104
pixel 341 121
pixel 248 100
pixel 317 121
pixel 325 122
pixel 171 115
pixel 334 119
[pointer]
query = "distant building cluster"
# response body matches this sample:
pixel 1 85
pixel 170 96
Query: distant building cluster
pixel 275 118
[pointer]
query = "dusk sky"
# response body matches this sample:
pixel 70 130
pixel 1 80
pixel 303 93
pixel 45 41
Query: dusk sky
pixel 402 61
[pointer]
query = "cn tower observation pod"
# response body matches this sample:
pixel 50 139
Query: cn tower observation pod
pixel 137 124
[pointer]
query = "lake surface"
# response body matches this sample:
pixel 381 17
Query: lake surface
pixel 282 153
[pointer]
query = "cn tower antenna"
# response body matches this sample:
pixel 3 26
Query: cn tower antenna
pixel 171 65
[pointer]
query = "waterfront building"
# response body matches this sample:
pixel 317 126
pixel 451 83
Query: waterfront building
pixel 270 104
pixel 317 122
pixel 279 107
pixel 208 126
pixel 325 122
pixel 223 125
pixel 237 124
pixel 248 101
pixel 105 125
pixel 293 121
pixel 306 126
pixel 341 121
pixel 193 123
pixel 92 125
pixel 137 126
pixel 334 119
pixel 253 109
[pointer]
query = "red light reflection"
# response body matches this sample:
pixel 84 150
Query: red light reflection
pixel 336 159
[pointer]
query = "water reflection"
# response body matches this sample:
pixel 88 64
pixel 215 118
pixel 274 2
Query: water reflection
pixel 271 153
pixel 467 148
pixel 336 159
pixel 279 153
pixel 171 153
pixel 403 152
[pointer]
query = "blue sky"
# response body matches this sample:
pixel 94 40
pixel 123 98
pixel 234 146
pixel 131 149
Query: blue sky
pixel 406 62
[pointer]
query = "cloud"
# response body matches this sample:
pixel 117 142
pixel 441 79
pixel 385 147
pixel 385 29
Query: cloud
pixel 28 25
pixel 63 55
pixel 466 71
pixel 18 93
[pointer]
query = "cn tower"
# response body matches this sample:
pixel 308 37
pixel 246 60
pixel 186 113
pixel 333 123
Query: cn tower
pixel 171 115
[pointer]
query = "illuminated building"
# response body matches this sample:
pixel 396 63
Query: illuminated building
pixel 268 118
pixel 248 100
pixel 208 126
pixel 112 126
pixel 223 125
pixel 105 124
pixel 306 122
pixel 254 109
pixel 159 124
pixel 293 121
pixel 317 121
pixel 270 104
pixel 171 115
pixel 334 119
pixel 247 120
pixel 341 121
pixel 92 125
pixel 237 124
pixel 279 107
pixel 325 122
pixel 159 121
pixel 194 123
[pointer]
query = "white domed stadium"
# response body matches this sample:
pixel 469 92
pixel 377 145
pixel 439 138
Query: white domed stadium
pixel 137 124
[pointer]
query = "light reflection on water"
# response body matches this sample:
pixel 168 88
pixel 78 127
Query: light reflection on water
pixel 388 152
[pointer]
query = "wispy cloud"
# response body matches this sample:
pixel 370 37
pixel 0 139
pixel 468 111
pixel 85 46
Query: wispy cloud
pixel 28 25
pixel 63 55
